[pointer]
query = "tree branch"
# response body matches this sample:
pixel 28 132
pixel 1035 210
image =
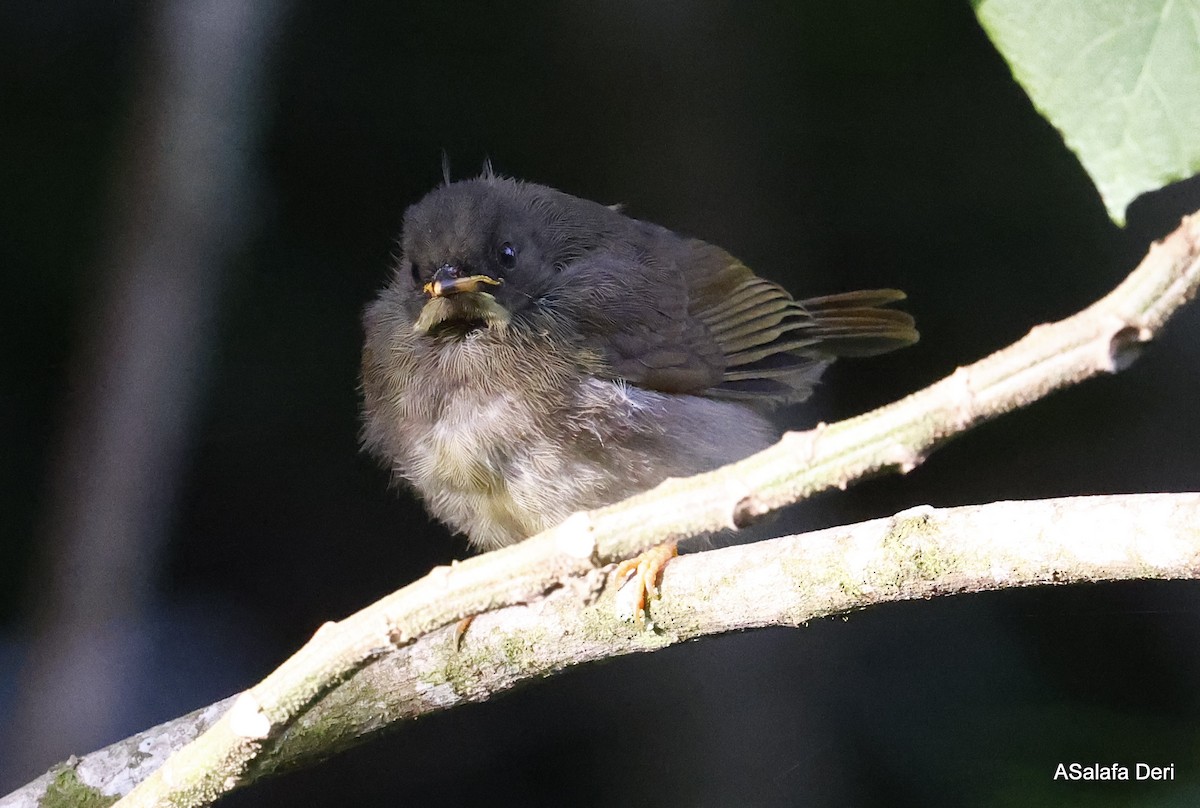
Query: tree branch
pixel 1101 339
pixel 919 553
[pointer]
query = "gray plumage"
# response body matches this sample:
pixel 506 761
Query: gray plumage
pixel 535 354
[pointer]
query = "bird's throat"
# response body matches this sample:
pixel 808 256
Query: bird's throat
pixel 461 313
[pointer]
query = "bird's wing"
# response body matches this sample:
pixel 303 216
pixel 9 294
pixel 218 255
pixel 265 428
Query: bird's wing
pixel 694 319
pixel 774 347
pixel 633 311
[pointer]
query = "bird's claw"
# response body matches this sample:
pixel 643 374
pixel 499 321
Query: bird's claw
pixel 640 576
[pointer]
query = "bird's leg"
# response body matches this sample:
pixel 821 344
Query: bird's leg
pixel 643 573
pixel 460 629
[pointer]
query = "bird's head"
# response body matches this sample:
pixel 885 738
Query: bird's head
pixel 479 252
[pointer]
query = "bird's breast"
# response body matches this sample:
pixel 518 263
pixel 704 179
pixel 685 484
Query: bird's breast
pixel 470 457
pixel 468 442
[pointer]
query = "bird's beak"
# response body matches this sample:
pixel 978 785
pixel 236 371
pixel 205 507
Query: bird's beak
pixel 450 280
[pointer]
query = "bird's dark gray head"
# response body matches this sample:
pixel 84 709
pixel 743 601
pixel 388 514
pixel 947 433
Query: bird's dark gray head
pixel 479 251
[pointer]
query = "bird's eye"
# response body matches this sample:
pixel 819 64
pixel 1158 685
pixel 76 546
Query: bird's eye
pixel 507 256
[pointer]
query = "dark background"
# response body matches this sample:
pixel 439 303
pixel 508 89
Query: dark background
pixel 831 146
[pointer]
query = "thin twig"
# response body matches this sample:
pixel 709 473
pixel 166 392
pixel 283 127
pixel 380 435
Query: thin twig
pixel 1100 339
pixel 920 553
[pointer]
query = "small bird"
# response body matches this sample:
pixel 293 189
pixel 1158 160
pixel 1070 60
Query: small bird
pixel 535 354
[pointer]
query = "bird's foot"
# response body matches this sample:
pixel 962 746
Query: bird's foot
pixel 643 573
pixel 460 629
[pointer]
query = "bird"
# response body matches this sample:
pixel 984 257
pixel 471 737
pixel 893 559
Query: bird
pixel 535 354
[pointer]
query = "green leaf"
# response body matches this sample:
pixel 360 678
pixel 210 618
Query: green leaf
pixel 1119 78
